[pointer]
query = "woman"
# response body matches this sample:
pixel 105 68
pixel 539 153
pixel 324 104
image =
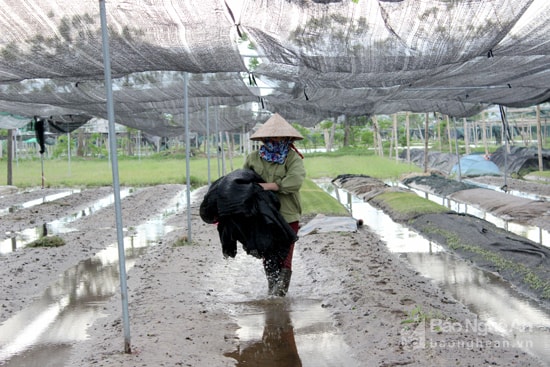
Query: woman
pixel 280 165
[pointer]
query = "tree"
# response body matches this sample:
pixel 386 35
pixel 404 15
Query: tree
pixel 328 130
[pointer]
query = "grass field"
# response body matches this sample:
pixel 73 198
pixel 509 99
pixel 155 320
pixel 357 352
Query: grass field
pixel 164 170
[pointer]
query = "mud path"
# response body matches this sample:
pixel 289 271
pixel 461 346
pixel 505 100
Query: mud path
pixel 184 299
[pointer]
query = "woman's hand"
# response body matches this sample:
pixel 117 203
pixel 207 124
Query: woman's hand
pixel 272 186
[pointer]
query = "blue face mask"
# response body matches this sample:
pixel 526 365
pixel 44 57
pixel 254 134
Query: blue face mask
pixel 275 150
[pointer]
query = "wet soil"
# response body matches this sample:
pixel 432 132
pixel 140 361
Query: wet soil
pixel 179 315
pixel 522 262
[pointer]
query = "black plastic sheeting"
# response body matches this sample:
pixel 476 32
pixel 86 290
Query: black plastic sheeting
pixel 60 124
pixel 39 129
pixel 67 123
pixel 438 185
pixel 442 162
pixel 520 160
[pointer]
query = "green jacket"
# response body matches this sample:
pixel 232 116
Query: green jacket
pixel 289 176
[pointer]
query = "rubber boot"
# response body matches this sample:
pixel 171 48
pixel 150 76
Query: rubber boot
pixel 283 282
pixel 272 280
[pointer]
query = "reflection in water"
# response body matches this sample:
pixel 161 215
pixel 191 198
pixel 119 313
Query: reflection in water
pixel 65 310
pixel 290 332
pixel 276 347
pixel 57 226
pixel 294 329
pixel 42 200
pixel 42 335
pixel 398 238
pixel 504 310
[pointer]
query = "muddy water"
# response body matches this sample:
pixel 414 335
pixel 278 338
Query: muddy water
pixel 291 331
pixel 42 334
pixel 25 236
pixel 500 309
pixel 42 200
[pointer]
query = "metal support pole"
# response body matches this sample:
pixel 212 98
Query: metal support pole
pixel 69 151
pixel 539 139
pixel 42 167
pixel 10 158
pixel 457 151
pixel 218 158
pixel 187 154
pixel 426 146
pixel 506 137
pixel 116 184
pixel 208 141
pixel 222 152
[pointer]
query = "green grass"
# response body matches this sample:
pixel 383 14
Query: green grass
pixel 163 170
pixel 89 173
pixel 410 204
pixel 315 201
pixel 374 166
pixel 47 241
pixel 543 174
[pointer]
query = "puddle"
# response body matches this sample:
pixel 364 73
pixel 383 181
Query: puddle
pixel 502 309
pixel 42 200
pixel 290 331
pixel 58 226
pixel 398 238
pixel 43 333
pixel 295 332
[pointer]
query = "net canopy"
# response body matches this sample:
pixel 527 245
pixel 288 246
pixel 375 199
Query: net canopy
pixel 307 60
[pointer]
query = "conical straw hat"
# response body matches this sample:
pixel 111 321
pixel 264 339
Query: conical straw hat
pixel 276 127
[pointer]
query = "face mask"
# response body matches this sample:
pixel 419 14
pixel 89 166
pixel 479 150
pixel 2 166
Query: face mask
pixel 275 150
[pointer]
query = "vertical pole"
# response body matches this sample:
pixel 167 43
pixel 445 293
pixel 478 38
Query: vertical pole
pixel 15 152
pixel 10 157
pixel 396 139
pixel 466 136
pixel 375 130
pixel 426 134
pixel 244 147
pixel 222 152
pixel 230 146
pixel 475 130
pixel 408 132
pixel 438 120
pixel 69 151
pixel 187 154
pixel 505 136
pixel 484 133
pixel 116 184
pixel 42 166
pixel 139 144
pixel 539 139
pixel 217 143
pixel 208 141
pixel 449 138
pixel 457 151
